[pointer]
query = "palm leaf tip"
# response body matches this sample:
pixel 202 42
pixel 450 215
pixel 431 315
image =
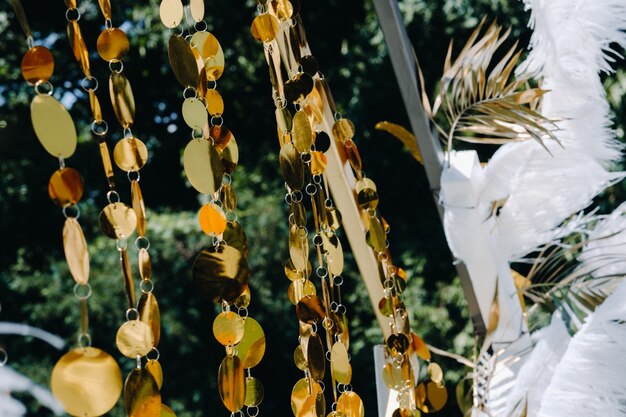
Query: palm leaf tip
pixel 404 136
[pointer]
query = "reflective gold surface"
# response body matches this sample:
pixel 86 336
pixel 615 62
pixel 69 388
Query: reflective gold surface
pixel 254 392
pixel 301 133
pixel 265 27
pixel 251 348
pixel 37 64
pixel 105 156
pixel 230 156
pixel 221 136
pixel 430 396
pixel 228 197
pixel 291 166
pixel 210 50
pixel 139 207
pixel 284 121
pixel 283 9
pixel 149 313
pixel 171 13
pixel 166 411
pixel 144 263
pixel 353 156
pixel 75 248
pixel 53 126
pixel 141 394
pixel 367 196
pixel 235 236
pixel 299 213
pixel 316 357
pixel 341 321
pixel 299 359
pixel 154 367
pixel 122 99
pixel 397 344
pixel 127 276
pixel 105 8
pixel 318 163
pixel 231 383
pixel 182 61
pixel 343 129
pixel 65 187
pixel 79 48
pixel 130 154
pixel 87 382
pixel 243 300
pixel 118 221
pixel 194 113
pixel 435 373
pixel 340 363
pixel 298 289
pixel 221 273
pixel 334 252
pixel 310 309
pixel 376 237
pixel 303 389
pixel 203 166
pixel 134 338
pixel 112 44
pixel 350 404
pixel 212 219
pixel 293 273
pixel 298 247
pixel 228 328
pixel 94 104
pixel 214 102
pixel 420 347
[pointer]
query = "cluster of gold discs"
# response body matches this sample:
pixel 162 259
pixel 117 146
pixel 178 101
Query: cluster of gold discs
pixel 303 143
pixel 86 380
pixel 221 271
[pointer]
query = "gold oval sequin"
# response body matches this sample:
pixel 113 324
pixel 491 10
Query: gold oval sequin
pixel 203 166
pixel 254 392
pixel 228 197
pixel 230 156
pixel 299 359
pixel 130 154
pixel 105 8
pixel 298 247
pixel 221 136
pixel 340 363
pixel 310 309
pixel 87 382
pixel 154 367
pixel 210 50
pixel 231 383
pixel 235 236
pixel 118 221
pixel 141 394
pixel 301 133
pixel 138 206
pixel 228 328
pixel 265 27
pixel 376 237
pixel 397 344
pixel 171 13
pixel 182 61
pixel 212 219
pixel 316 357
pixel 353 156
pixel 298 213
pixel 318 163
pixel 197 9
pixel 214 102
pixel 65 187
pixel 94 104
pixel 299 395
pixel 134 338
pixel 243 301
pixel 53 126
pixel 366 194
pixel 298 289
pixel 283 9
pixel 291 166
pixel 79 48
pixel 122 99
pixel 334 252
pixel 343 129
pixel 221 273
pixel 37 64
pixel 341 322
pixel 284 120
pixel 294 274
pixel 435 372
pixel 75 248
pixel 350 404
pixel 149 313
pixel 251 348
pixel 144 264
pixel 194 113
pixel 420 347
pixel 430 397
pixel 112 44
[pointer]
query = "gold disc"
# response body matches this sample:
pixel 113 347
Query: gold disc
pixel 301 133
pixel 149 313
pixel 171 13
pixel 397 344
pixel 231 383
pixel 367 196
pixel 299 359
pixel 350 404
pixel 203 166
pixel 75 248
pixel 79 48
pixel 340 363
pixel 300 288
pixel 221 273
pixel 53 126
pixel 212 219
pixel 283 8
pixel 194 113
pixel 316 357
pixel 141 394
pixel 435 372
pixel 298 247
pixel 291 166
pixel 420 347
pixel 65 187
pixel 112 44
pixel 228 328
pixel 130 154
pixel 145 265
pixel 294 274
pixel 230 156
pixel 251 348
pixel 299 394
pixel 318 163
pixel 157 372
pixel 228 197
pixel 243 301
pixel 134 338
pixel 334 252
pixel 343 129
pixel 310 309
pixel 235 236
pixel 254 392
pixel 265 27
pixel 214 102
pixel 139 207
pixel 37 65
pixel 122 99
pixel 182 61
pixel 375 236
pixel 118 221
pixel 211 53
pixel 87 382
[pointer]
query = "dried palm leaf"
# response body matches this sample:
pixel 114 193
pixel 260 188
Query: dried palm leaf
pixel 405 137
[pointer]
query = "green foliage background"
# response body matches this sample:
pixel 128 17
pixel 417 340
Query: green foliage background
pixel 35 285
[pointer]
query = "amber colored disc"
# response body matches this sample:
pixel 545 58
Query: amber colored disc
pixel 316 357
pixel 203 166
pixel 141 394
pixel 134 338
pixel 139 207
pixel 397 344
pixel 182 61
pixel 334 252
pixel 341 322
pixel 231 383
pixel 228 328
pixel 265 27
pixel 340 363
pixel 37 64
pixel 420 347
pixel 375 236
pixel 130 154
pixel 112 44
pixel 75 248
pixel 210 50
pixel 367 196
pixel 65 187
pixel 148 308
pixel 350 404
pixel 385 307
pixel 194 113
pixel 283 9
pixel 392 376
pixel 310 309
pixel 299 395
pixel 251 348
pixel 298 289
pixel 212 219
pixel 171 13
pixel 318 163
pixel 87 382
pixel 214 102
pixel 301 134
pixel 53 126
pixel 235 236
pixel 122 99
pixel 228 197
pixel 343 129
pixel 221 273
pixel 299 359
pixel 118 221
pixel 254 392
pixel 154 367
pixel 291 166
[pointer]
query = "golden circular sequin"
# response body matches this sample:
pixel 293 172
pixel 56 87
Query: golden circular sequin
pixel 298 289
pixel 194 113
pixel 53 126
pixel 203 166
pixel 141 394
pixel 130 154
pixel 231 383
pixel 350 404
pixel 134 338
pixel 340 363
pixel 182 61
pixel 343 129
pixel 265 27
pixel 37 64
pixel 112 44
pixel 65 187
pixel 214 102
pixel 228 328
pixel 118 221
pixel 212 219
pixel 251 348
pixel 221 273
pixel 254 392
pixel 210 50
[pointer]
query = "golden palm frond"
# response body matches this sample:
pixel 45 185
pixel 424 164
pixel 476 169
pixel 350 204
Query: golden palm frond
pixel 404 136
pixel 483 101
